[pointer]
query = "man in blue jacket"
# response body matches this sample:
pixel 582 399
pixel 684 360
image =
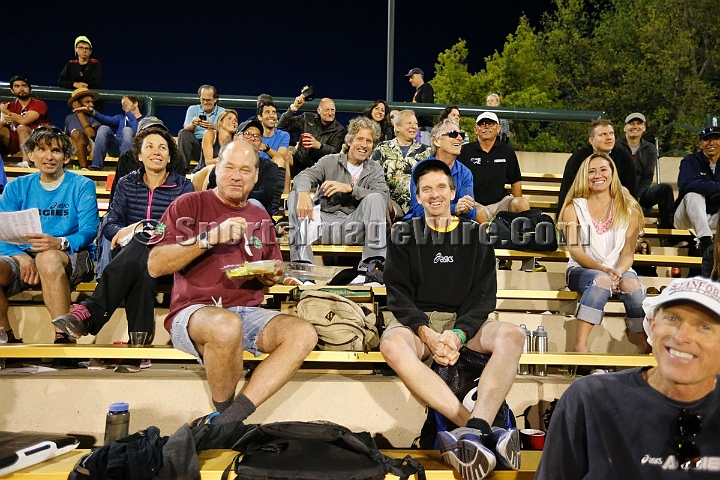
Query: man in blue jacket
pixel 116 133
pixel 699 182
pixel 62 253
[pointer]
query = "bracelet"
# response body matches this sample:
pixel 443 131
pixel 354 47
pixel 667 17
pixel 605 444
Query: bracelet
pixel 460 334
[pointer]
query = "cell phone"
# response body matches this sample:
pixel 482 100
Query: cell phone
pixel 202 117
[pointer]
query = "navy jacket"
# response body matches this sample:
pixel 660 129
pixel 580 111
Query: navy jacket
pixel 695 176
pixel 134 201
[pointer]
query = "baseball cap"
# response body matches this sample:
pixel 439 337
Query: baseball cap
pixel 147 122
pixel 489 116
pixel 429 164
pixel 249 123
pixel 702 291
pixel 20 78
pixel 82 38
pixel 413 71
pixel 707 131
pixel 635 116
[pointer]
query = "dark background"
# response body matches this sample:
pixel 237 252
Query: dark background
pixel 248 48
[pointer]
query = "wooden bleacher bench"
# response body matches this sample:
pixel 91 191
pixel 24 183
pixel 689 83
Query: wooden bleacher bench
pixel 213 463
pixel 166 352
pixel 96 175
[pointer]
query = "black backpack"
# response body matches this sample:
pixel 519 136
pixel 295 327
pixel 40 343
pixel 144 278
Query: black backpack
pixel 529 230
pixel 462 378
pixel 314 451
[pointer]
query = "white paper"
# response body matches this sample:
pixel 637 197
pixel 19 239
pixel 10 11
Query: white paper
pixel 29 369
pixel 17 224
pixel 310 229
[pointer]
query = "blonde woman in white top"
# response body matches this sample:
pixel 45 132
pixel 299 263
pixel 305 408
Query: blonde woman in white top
pixel 602 222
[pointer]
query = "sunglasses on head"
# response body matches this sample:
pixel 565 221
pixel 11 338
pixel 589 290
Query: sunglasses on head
pixel 50 128
pixel 688 425
pixel 454 134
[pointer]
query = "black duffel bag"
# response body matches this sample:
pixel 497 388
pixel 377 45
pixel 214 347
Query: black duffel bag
pixel 314 451
pixel 529 230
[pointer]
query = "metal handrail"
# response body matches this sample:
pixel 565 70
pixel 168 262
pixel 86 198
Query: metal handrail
pixel 152 99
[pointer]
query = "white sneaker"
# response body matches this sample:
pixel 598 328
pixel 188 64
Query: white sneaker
pixel 507 447
pixel 463 450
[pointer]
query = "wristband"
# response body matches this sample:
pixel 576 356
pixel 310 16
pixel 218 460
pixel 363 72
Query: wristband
pixel 460 334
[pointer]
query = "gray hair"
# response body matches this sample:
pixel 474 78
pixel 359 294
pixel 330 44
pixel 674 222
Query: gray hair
pixel 437 132
pixel 358 123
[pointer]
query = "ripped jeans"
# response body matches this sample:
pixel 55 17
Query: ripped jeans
pixel 591 305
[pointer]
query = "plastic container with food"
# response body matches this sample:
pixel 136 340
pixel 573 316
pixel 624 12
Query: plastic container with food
pixel 250 269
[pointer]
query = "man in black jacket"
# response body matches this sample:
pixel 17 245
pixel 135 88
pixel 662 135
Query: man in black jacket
pixel 442 285
pixel 602 140
pixel 644 155
pixel 320 133
pixel 424 93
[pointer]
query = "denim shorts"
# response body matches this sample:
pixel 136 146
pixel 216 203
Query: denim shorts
pixel 254 320
pixel 79 269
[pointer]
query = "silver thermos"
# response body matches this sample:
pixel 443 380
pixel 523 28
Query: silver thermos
pixel 540 345
pixel 524 368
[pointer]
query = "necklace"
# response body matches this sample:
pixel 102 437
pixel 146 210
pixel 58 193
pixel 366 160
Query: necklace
pixel 605 213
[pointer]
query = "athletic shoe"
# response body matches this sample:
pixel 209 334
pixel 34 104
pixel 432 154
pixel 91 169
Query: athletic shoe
pixel 145 364
pixel 507 447
pixel 539 268
pixel 463 450
pixel 505 265
pixel 74 323
pixel 127 368
pixel 204 420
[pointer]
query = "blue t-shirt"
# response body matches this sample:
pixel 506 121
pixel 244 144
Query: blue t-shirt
pixel 72 122
pixel 462 176
pixel 196 111
pixel 69 211
pixel 280 138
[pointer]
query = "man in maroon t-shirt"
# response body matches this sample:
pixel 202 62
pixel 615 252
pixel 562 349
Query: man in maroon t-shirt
pixel 20 117
pixel 214 317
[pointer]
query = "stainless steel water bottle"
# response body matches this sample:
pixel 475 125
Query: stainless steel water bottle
pixel 540 345
pixel 524 368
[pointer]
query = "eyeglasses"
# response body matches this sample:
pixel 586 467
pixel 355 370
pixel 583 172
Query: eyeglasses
pixel 50 128
pixel 249 134
pixel 454 134
pixel 688 425
pixel 207 100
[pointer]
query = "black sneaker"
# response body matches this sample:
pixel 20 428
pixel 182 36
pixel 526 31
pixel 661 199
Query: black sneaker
pixel 75 323
pixel 64 339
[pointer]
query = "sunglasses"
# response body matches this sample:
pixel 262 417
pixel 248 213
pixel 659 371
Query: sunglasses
pixel 454 134
pixel 50 128
pixel 688 425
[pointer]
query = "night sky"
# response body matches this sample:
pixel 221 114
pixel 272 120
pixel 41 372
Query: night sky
pixel 248 48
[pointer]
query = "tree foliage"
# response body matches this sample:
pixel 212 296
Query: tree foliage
pixel 659 57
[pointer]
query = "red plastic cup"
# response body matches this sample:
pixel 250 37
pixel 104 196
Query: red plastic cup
pixel 675 272
pixel 306 140
pixel 532 439
pixel 109 182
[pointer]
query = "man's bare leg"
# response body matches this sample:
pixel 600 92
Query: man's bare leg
pixel 288 340
pixel 23 134
pixel 504 342
pixel 55 284
pixel 5 277
pixel 217 335
pixel 403 351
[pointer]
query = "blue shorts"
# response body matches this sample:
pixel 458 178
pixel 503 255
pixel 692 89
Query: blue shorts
pixel 254 320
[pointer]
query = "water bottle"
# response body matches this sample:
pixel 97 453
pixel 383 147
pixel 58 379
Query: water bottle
pixel 117 422
pixel 540 345
pixel 3 341
pixel 524 368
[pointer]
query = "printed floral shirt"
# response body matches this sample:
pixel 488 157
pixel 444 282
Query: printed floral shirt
pixel 398 168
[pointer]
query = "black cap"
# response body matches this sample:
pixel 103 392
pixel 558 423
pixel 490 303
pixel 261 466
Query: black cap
pixel 249 123
pixel 19 77
pixel 708 131
pixel 429 164
pixel 414 71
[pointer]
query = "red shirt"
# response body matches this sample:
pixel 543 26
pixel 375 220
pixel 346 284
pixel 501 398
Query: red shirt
pixel 203 279
pixel 35 105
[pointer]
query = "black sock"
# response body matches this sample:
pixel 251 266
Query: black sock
pixel 221 406
pixel 240 409
pixel 480 424
pixel 10 335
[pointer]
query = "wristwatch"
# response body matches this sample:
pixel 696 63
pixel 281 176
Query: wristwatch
pixel 64 244
pixel 203 240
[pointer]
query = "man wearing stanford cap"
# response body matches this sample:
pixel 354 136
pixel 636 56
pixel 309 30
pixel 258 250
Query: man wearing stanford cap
pixel 653 422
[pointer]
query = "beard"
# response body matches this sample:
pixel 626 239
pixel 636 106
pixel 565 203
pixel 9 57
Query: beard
pixel 23 96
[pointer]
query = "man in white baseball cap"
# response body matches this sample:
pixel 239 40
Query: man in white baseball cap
pixel 651 422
